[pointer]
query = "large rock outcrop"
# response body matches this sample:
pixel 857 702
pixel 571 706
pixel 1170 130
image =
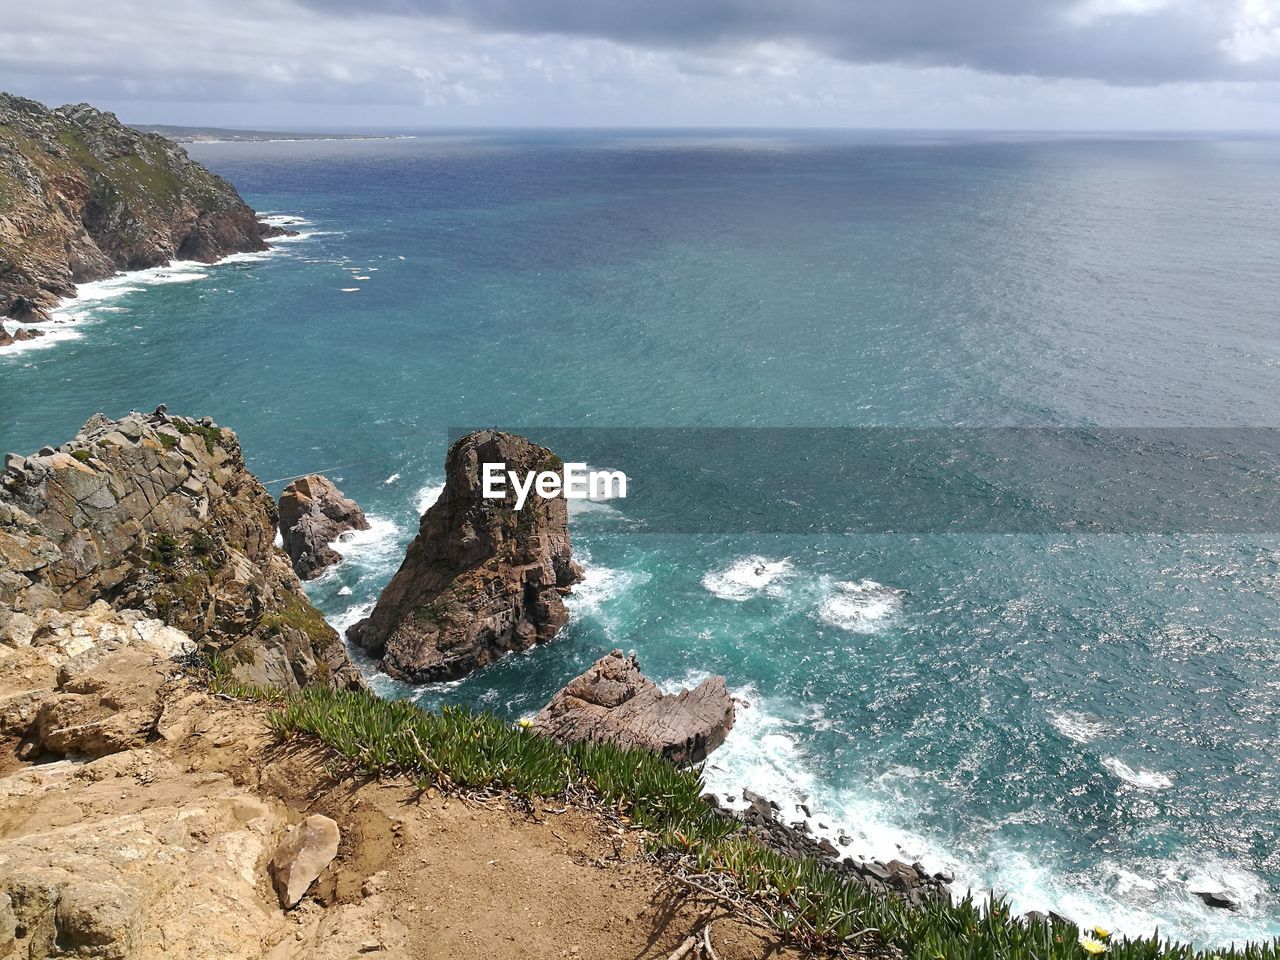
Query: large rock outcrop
pixel 85 196
pixel 481 578
pixel 615 702
pixel 158 514
pixel 314 513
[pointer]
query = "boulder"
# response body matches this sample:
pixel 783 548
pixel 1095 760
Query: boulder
pixel 481 578
pixel 302 856
pixel 1219 899
pixel 313 514
pixel 614 702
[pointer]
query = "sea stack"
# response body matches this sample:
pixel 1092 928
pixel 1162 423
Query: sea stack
pixel 615 702
pixel 482 578
pixel 313 514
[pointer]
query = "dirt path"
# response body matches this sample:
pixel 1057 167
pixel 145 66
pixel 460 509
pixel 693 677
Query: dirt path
pixel 175 823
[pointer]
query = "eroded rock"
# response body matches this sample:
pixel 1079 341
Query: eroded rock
pixel 313 514
pixel 615 702
pixel 302 856
pixel 481 578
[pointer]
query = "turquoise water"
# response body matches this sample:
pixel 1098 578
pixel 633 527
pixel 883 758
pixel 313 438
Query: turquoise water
pixel 1088 723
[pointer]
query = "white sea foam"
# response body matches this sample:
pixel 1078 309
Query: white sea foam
pixel 360 278
pixel 748 577
pixel 597 586
pixel 350 616
pixel 53 335
pixel 1077 726
pixel 860 606
pixel 249 256
pixel 764 753
pixel 378 547
pixel 350 289
pixel 391 479
pixel 428 495
pixel 283 220
pixel 1142 779
pixel 345 592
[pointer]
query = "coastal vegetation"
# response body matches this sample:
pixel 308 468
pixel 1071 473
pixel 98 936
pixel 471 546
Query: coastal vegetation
pixel 459 749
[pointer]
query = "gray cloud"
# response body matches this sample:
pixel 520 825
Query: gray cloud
pixel 319 64
pixel 1117 41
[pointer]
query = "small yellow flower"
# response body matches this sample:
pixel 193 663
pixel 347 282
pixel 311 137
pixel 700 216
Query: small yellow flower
pixel 1092 946
pixel 526 723
pixel 1101 933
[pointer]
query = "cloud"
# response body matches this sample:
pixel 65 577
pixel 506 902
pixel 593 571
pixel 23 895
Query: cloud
pixel 395 63
pixel 1116 41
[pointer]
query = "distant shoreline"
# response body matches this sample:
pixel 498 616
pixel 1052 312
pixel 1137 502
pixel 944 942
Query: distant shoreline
pixel 179 134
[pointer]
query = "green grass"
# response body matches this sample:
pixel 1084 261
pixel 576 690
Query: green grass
pixel 212 435
pixel 300 615
pixel 458 748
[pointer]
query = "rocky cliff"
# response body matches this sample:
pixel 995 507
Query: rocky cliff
pixel 83 196
pixel 481 578
pixel 158 514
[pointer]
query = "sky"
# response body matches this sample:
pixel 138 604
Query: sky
pixel 418 64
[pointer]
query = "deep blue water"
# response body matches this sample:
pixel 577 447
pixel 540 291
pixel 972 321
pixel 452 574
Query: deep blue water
pixel 1090 723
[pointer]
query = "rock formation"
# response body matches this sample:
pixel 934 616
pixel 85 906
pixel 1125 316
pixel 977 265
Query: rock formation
pixel 614 702
pixel 313 513
pixel 158 514
pixel 19 335
pixel 481 578
pixel 85 197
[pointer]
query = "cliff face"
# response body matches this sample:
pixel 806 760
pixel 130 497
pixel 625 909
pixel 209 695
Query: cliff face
pixel 83 196
pixel 481 578
pixel 158 514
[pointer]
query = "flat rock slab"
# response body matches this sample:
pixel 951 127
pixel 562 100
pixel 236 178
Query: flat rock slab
pixel 302 856
pixel 614 702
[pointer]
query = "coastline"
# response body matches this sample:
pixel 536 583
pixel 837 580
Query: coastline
pixel 70 315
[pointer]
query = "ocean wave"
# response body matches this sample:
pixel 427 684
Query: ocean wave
pixel 391 479
pixel 53 335
pixel 764 752
pixel 748 577
pixel 1077 726
pixel 598 586
pixel 283 220
pixel 427 495
pixel 1142 779
pixel 860 606
pixel 248 256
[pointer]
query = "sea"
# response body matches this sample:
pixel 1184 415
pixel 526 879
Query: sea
pixel 1084 718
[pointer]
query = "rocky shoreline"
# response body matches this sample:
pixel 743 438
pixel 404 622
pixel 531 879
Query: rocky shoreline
pixel 87 197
